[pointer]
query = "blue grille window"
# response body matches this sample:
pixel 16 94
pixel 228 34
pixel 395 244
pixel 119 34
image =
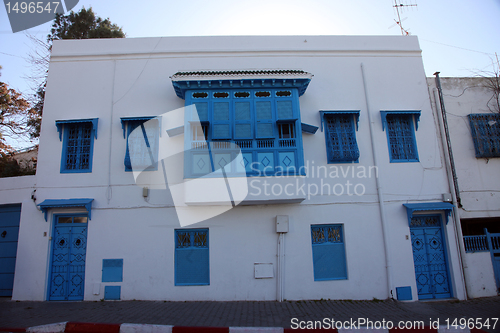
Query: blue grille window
pixel 191 257
pixel 142 136
pixel 329 261
pixel 401 135
pixel 341 144
pixel 485 130
pixel 261 123
pixel 78 144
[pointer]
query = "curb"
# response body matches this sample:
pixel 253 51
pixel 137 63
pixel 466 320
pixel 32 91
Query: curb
pixel 73 327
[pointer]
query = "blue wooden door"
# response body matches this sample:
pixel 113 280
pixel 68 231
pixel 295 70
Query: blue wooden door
pixel 429 257
pixel 67 268
pixel 10 215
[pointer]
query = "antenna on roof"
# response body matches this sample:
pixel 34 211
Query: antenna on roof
pixel 400 6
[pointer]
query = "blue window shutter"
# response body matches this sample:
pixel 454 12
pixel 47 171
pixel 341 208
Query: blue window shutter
pixel 485 131
pixel 285 109
pixel 401 136
pixel 242 118
pixel 192 257
pixel 221 125
pixel 77 146
pixel 340 136
pixel 142 144
pixel 112 270
pixel 329 260
pixel 202 109
pixel 264 110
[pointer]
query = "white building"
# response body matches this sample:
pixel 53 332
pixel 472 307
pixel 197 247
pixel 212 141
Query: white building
pixel 353 210
pixel 474 129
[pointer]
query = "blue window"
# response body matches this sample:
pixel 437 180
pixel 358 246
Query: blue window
pixel 261 123
pixel 142 134
pixel 340 133
pixel 78 144
pixel 191 257
pixel 401 135
pixel 485 130
pixel 328 251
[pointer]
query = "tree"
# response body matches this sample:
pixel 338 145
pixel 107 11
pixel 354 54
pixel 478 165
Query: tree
pixel 14 115
pixel 82 25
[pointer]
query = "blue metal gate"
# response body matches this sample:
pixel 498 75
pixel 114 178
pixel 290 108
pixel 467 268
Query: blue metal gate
pixel 494 246
pixel 67 267
pixel 429 256
pixel 10 215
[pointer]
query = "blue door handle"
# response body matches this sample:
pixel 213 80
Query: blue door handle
pixel 4 233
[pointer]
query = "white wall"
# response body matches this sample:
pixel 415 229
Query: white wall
pixel 478 178
pixel 479 275
pixel 109 79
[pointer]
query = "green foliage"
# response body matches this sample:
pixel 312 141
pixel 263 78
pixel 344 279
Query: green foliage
pixel 83 25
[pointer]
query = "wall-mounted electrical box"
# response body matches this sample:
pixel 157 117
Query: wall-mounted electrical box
pixel 282 223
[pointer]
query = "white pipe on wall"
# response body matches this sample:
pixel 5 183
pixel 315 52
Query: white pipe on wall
pixel 380 194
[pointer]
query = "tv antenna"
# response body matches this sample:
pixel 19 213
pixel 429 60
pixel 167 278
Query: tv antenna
pixel 400 6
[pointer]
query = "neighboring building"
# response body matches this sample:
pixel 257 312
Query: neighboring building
pixel 27 157
pixel 298 167
pixel 474 131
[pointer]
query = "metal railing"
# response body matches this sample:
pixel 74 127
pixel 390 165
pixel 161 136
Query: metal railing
pixel 476 243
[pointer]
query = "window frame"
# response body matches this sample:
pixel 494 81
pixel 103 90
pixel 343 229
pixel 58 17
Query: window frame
pixel 413 117
pixel 127 123
pixel 481 135
pixel 64 127
pixel 354 128
pixel 191 247
pixel 257 147
pixel 339 244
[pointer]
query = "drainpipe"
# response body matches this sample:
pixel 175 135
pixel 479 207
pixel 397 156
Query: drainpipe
pixel 380 194
pixel 448 141
pixel 452 178
pixel 281 228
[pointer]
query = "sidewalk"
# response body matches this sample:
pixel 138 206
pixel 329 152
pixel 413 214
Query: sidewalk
pixel 244 314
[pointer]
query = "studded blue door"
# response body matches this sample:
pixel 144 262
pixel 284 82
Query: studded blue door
pixel 429 256
pixel 69 247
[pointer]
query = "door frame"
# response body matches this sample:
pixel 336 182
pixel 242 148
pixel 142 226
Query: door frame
pixel 55 217
pixel 445 250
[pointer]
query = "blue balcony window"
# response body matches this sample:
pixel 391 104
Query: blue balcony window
pixel 485 130
pixel 262 124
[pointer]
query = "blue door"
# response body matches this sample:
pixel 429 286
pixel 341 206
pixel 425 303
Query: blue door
pixel 10 215
pixel 429 257
pixel 67 267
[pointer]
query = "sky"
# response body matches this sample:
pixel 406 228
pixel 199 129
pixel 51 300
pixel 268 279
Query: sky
pixel 457 37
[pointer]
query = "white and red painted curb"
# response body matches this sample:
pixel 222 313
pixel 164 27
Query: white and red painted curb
pixel 71 327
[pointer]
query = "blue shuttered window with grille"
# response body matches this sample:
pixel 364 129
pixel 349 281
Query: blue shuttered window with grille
pixel 261 123
pixel 191 257
pixel 401 134
pixel 142 134
pixel 78 144
pixel 328 250
pixel 485 130
pixel 340 134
